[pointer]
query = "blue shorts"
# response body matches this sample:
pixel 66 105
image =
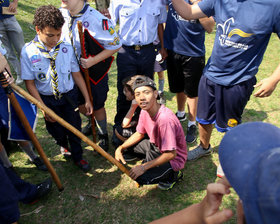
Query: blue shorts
pixel 159 67
pixel 222 105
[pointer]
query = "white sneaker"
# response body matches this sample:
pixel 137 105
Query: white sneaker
pixel 220 172
pixel 19 81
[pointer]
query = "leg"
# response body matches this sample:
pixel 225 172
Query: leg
pixel 176 81
pixel 163 172
pixel 126 66
pixel 181 101
pixel 192 129
pixel 205 131
pixel 13 38
pixel 192 106
pixel 206 115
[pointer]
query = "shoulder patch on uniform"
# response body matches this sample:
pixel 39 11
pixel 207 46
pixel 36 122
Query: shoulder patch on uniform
pixel 105 24
pixel 111 30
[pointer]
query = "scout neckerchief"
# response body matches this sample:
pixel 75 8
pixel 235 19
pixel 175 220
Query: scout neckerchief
pixel 70 26
pixel 52 58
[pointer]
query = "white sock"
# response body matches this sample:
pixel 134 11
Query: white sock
pixel 190 123
pixel 180 113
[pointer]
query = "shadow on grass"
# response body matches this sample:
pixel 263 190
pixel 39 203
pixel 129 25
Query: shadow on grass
pixel 253 115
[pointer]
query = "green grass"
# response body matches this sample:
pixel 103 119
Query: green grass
pixel 106 195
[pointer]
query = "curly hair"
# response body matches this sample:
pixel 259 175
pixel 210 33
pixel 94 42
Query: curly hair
pixel 48 15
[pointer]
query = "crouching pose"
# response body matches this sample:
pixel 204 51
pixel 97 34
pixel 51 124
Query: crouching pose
pixel 165 152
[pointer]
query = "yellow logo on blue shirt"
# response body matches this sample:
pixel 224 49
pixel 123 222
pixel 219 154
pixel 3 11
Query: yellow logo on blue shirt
pixel 111 30
pixel 232 122
pixel 225 36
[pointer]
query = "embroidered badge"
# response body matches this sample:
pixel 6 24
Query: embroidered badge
pixel 105 25
pixel 86 24
pixel 115 42
pixel 35 59
pixel 232 122
pixel 42 77
pixel 111 30
pixel 64 50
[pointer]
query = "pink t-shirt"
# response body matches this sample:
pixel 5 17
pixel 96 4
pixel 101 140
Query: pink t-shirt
pixel 166 132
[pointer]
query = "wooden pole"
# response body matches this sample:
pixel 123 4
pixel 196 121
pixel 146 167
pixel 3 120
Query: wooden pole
pixel 29 130
pixel 80 28
pixel 70 128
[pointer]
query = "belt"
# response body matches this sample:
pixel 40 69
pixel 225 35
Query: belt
pixel 139 47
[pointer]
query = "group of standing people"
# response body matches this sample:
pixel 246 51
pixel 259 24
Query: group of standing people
pixel 51 67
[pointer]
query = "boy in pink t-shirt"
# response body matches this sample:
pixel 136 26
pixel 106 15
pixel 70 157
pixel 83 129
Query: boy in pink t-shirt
pixel 165 152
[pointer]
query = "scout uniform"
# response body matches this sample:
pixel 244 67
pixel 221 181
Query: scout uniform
pixel 54 82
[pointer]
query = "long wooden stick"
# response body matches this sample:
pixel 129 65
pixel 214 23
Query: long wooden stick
pixel 29 131
pixel 70 128
pixel 80 28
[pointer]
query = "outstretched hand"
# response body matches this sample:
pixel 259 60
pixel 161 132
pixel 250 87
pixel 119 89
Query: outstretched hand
pixel 267 86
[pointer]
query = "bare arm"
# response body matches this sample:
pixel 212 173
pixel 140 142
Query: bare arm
pixel 132 140
pixel 4 64
pixel 207 23
pixel 163 51
pixel 30 86
pixel 141 169
pixel 187 11
pixel 86 63
pixel 129 115
pixel 268 85
pixel 207 211
pixel 80 82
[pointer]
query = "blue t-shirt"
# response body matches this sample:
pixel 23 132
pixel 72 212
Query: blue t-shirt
pixel 185 37
pixel 243 32
pixel 4 3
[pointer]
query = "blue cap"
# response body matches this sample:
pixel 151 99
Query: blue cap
pixel 250 157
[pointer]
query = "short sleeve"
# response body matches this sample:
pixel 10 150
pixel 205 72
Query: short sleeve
pixel 26 72
pixel 207 7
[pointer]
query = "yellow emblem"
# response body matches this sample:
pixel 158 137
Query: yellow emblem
pixel 111 31
pixel 232 122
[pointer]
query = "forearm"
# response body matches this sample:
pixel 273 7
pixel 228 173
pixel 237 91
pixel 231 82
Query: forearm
pixel 207 23
pixel 129 115
pixel 162 159
pixel 189 215
pixel 102 56
pixel 275 77
pixel 133 139
pixel 80 82
pixel 187 11
pixel 31 88
pixel 160 35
